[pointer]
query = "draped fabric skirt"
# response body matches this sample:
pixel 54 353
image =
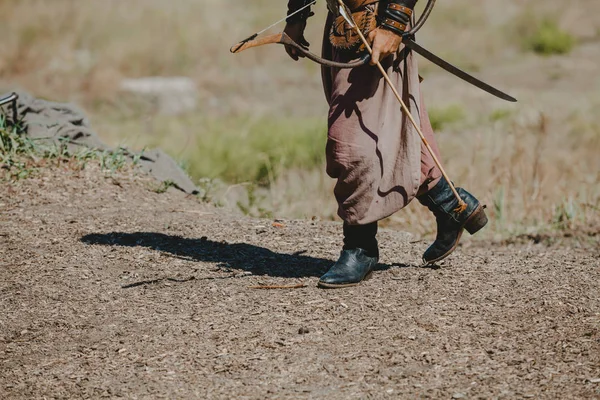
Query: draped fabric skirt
pixel 373 151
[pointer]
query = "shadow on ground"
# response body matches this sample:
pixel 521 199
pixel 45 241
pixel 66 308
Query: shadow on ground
pixel 242 256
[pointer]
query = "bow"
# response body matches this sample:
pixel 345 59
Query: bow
pixel 408 40
pixel 282 38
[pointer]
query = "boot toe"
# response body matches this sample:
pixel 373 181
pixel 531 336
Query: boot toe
pixel 335 279
pixel 436 253
pixel 441 248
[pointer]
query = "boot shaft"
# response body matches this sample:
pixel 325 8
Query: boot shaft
pixel 362 237
pixel 442 203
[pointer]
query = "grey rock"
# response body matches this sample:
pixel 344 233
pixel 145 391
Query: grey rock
pixel 173 95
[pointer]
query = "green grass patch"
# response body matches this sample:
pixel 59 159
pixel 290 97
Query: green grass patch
pixel 237 149
pixel 16 153
pixel 550 39
pixel 501 114
pixel 443 117
pixel 21 156
pixel 259 150
pixel 543 36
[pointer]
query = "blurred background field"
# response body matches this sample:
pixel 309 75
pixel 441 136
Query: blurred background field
pixel 254 141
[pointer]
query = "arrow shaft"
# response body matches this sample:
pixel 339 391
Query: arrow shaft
pixel 461 204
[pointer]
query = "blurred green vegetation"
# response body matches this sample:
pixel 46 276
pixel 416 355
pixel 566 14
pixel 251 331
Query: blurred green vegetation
pixel 500 114
pixel 235 149
pixel 443 117
pixel 543 35
pixel 550 39
pixel 239 150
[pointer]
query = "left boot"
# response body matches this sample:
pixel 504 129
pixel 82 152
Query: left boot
pixel 357 259
pixel 353 267
pixel 450 224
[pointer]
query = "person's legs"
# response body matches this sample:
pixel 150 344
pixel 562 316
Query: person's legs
pixel 371 153
pixel 361 237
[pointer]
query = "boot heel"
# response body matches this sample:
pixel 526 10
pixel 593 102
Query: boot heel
pixel 476 221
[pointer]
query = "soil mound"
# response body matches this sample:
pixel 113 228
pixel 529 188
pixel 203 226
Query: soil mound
pixel 66 124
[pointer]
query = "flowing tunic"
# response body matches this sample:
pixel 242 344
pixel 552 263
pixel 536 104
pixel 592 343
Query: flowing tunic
pixel 373 151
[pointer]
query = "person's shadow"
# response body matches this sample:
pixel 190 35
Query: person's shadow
pixel 242 256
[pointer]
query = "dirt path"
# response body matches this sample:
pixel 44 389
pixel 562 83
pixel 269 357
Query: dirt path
pixel 110 290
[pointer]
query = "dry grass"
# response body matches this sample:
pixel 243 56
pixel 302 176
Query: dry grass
pixel 536 165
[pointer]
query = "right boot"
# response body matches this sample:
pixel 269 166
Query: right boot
pixel 357 260
pixel 450 223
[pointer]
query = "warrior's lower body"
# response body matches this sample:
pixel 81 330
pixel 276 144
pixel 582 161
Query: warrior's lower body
pixel 381 164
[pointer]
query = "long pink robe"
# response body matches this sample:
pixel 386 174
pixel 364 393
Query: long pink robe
pixel 373 150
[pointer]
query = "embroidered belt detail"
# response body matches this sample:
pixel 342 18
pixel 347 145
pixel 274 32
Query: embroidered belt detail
pixel 342 36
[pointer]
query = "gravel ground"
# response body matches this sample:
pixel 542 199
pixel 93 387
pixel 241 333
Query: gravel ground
pixel 108 289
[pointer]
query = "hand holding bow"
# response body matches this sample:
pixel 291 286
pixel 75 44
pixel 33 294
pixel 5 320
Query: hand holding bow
pixel 296 32
pixel 295 43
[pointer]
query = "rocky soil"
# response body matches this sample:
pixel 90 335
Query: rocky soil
pixel 108 289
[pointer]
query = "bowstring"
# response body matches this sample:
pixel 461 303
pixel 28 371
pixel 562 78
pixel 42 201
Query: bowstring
pixel 254 36
pixel 313 2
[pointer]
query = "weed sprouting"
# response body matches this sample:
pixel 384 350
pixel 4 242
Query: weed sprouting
pixel 113 160
pixel 17 152
pixel 207 187
pixel 499 206
pixel 253 205
pixel 20 155
pixel 138 156
pixel 162 187
pixel 565 214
